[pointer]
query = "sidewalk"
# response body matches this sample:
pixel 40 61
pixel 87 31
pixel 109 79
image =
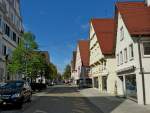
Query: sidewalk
pixel 112 104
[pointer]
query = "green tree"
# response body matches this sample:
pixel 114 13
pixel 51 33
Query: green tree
pixel 67 72
pixel 53 71
pixel 25 59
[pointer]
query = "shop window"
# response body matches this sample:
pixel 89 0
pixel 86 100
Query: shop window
pixel 146 47
pixel 131 87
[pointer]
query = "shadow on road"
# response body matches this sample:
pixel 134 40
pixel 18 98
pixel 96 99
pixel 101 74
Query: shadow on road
pixel 67 100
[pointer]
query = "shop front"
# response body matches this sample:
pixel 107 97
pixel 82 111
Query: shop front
pixel 104 83
pixel 95 82
pixel 131 86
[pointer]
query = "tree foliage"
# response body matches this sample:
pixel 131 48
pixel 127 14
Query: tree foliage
pixel 67 72
pixel 53 71
pixel 27 60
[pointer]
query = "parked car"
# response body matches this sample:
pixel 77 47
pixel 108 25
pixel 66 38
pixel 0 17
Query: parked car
pixel 2 84
pixel 38 86
pixel 15 92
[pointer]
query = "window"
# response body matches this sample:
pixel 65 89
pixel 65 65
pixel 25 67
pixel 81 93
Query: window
pixel 121 58
pixel 104 65
pixel 18 40
pixel 14 36
pixel 7 30
pixel 121 33
pixel 11 34
pixel 125 55
pixel 131 51
pixel 0 22
pixel 146 47
pixel 118 59
pixel 4 50
pixel 11 16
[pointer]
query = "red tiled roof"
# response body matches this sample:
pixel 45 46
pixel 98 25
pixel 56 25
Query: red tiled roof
pixel 84 51
pixel 104 29
pixel 136 16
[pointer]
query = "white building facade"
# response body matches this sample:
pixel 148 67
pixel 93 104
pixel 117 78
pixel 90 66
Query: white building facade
pixel 10 33
pixel 82 64
pixel 133 51
pixel 102 55
pixel 73 71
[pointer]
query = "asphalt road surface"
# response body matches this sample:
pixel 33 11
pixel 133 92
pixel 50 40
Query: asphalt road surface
pixel 57 99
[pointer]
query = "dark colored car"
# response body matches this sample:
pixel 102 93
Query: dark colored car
pixel 15 92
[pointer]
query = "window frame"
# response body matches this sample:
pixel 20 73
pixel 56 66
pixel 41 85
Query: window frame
pixel 121 57
pixel 121 33
pixel 125 55
pixel 143 48
pixel 118 60
pixel 131 52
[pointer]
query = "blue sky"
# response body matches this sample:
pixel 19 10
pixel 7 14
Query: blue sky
pixel 59 24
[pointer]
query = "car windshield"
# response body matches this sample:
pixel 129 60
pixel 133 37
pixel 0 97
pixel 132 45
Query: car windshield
pixel 13 84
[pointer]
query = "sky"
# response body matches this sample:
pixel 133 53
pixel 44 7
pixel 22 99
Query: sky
pixel 59 24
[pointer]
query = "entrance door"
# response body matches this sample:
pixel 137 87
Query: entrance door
pixel 96 82
pixel 131 87
pixel 104 83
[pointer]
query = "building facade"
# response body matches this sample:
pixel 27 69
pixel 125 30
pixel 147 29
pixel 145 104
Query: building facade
pixel 82 64
pixel 10 33
pixel 133 50
pixel 102 55
pixel 73 71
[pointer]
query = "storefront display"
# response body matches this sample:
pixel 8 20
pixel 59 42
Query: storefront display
pixel 131 87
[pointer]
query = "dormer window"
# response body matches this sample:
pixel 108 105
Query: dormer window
pixel 121 33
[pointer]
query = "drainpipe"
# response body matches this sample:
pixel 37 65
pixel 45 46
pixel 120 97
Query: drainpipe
pixel 141 70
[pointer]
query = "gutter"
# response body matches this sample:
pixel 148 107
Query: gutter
pixel 141 70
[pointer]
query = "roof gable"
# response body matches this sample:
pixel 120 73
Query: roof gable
pixel 104 30
pixel 136 16
pixel 84 51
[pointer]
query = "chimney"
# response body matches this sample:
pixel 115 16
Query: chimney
pixel 147 2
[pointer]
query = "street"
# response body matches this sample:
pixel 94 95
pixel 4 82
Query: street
pixel 56 99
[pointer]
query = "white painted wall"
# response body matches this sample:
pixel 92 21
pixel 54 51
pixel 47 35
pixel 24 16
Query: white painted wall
pixel 120 46
pixel 95 53
pixel 147 2
pixel 112 77
pixel 78 64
